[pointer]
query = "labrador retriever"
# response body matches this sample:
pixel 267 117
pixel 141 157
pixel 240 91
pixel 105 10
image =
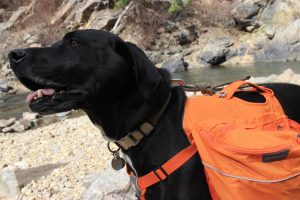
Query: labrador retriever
pixel 119 89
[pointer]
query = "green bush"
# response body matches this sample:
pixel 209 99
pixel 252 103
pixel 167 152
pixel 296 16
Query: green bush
pixel 121 3
pixel 176 6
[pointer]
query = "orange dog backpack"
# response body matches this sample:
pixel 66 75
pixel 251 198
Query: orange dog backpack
pixel 250 151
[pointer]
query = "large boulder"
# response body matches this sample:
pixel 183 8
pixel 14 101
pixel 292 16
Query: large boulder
pixel 218 51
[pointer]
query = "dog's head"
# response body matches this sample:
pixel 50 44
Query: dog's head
pixel 83 65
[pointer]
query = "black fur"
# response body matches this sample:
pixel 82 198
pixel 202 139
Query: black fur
pixel 119 88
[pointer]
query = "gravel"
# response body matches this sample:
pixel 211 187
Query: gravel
pixel 75 142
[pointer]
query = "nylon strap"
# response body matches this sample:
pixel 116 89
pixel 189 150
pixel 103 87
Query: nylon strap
pixel 167 168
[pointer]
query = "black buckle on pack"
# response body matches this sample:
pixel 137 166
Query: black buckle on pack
pixel 163 171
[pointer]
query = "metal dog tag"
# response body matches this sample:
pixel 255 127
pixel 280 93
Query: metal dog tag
pixel 117 163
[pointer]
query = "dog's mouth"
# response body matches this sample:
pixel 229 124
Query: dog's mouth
pixel 52 98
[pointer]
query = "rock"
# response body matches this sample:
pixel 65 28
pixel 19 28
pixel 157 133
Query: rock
pixel 25 176
pixel 8 183
pixel 2 11
pixel 7 130
pixel 286 76
pixel 109 184
pixel 6 69
pixel 269 79
pixel 175 64
pixel 7 123
pixel 35 45
pixel 217 51
pixel 223 42
pixel 15 18
pixel 63 114
pixel 3 87
pixel 250 28
pixel 245 14
pixel 154 56
pixel 12 179
pixel 187 36
pixel 30 116
pixel 102 20
pixel 63 11
pixel 295 79
pixel 213 57
pixel 284 46
pixel 270 32
pixel 83 14
pixel 17 127
pixel 12 91
pixel 217 57
pixel 289 34
pixel 33 39
pixel 273 52
pixel 294 52
pixel 245 10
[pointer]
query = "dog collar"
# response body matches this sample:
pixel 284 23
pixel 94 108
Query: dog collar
pixel 135 137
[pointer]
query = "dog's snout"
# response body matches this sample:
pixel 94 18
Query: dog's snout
pixel 17 55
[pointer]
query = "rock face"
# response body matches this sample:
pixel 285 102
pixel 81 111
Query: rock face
pixel 284 46
pixel 245 13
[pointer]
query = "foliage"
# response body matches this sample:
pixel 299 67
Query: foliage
pixel 121 3
pixel 176 6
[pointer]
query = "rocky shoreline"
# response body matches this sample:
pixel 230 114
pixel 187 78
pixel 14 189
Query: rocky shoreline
pixel 59 161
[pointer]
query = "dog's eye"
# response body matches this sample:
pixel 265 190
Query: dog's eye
pixel 74 43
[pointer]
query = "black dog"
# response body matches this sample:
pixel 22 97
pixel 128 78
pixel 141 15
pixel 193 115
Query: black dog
pixel 119 89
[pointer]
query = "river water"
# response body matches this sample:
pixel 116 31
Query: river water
pixel 14 105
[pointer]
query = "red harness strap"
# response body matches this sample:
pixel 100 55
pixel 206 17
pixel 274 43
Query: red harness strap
pixel 165 170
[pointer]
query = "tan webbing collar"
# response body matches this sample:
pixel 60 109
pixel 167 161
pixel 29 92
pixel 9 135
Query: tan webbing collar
pixel 135 137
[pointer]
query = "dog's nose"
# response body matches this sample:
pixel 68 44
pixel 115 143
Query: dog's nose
pixel 17 55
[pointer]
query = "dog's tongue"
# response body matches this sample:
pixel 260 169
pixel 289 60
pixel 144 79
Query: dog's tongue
pixel 39 93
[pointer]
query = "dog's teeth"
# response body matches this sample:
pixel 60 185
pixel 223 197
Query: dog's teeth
pixel 40 94
pixel 35 98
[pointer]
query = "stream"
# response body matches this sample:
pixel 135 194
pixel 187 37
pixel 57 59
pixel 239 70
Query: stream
pixel 14 105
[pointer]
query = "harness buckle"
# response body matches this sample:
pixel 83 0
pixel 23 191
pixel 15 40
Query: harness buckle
pixel 221 94
pixel 163 172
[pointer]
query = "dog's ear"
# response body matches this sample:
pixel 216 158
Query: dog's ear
pixel 146 74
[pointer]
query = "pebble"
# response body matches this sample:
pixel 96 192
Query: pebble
pixel 7 130
pixel 17 127
pixel 26 123
pixel 6 123
pixel 30 116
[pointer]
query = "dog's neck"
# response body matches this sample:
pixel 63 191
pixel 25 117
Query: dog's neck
pixel 120 115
